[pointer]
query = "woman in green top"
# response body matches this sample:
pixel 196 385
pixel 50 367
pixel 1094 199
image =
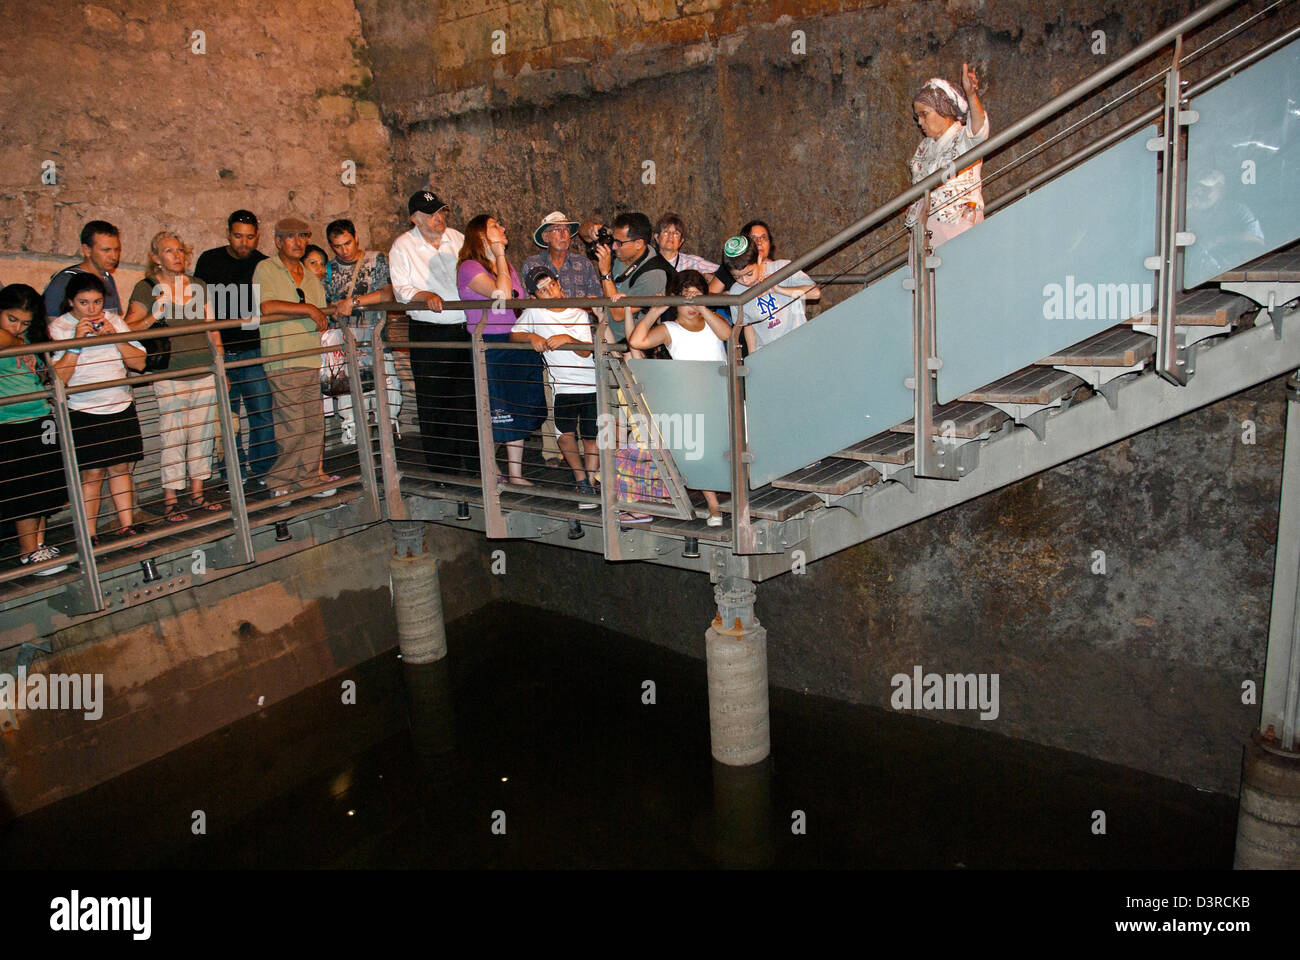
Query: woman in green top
pixel 31 482
pixel 187 404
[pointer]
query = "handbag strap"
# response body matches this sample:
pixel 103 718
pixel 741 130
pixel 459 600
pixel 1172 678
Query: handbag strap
pixel 352 284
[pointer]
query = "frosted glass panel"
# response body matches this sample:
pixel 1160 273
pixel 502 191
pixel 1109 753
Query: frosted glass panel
pixel 1049 270
pixel 833 382
pixel 1243 167
pixel 689 401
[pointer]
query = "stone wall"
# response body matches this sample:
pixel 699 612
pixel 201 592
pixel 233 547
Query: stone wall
pixel 794 111
pixel 147 132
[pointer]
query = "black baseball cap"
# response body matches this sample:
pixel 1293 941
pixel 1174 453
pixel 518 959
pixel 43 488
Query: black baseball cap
pixel 425 201
pixel 533 279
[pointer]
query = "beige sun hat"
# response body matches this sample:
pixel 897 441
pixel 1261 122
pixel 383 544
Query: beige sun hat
pixel 551 219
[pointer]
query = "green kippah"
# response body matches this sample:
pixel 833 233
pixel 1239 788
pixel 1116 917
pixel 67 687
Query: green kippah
pixel 735 246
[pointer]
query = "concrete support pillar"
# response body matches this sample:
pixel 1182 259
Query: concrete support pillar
pixel 735 651
pixel 417 600
pixel 1268 821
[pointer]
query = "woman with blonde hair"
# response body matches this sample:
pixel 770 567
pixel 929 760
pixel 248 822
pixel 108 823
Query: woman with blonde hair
pixel 187 403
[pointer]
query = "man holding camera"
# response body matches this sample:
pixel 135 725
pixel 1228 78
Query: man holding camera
pixel 640 271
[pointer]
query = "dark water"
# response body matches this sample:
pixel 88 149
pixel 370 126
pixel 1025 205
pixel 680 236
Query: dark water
pixel 541 718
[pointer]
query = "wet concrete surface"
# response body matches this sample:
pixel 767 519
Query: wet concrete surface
pixel 532 746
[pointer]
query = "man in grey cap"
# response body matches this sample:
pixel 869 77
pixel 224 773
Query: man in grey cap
pixel 422 265
pixel 294 298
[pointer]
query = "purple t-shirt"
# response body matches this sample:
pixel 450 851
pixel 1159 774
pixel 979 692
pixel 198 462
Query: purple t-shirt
pixel 498 321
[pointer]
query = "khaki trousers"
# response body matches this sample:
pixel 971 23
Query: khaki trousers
pixel 299 428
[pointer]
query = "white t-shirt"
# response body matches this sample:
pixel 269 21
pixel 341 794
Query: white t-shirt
pixel 95 365
pixel 568 372
pixel 773 314
pixel 694 344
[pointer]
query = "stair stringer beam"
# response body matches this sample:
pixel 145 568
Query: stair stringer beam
pixel 1238 363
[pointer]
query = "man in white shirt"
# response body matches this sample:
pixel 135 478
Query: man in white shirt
pixel 422 265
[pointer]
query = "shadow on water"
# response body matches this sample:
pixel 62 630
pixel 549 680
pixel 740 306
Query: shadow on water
pixel 532 746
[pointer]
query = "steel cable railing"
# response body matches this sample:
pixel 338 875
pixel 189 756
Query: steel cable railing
pixel 163 452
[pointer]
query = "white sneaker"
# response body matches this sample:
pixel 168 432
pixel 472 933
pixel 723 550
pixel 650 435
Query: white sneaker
pixel 40 555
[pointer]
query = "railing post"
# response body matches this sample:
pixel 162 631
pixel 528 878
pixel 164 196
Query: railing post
pixel 230 447
pixel 1280 700
pixel 924 363
pixel 365 451
pixel 743 538
pixel 394 506
pixel 1169 263
pixel 606 439
pixel 72 477
pixel 494 520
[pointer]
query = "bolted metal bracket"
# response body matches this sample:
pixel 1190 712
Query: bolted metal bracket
pixel 773 536
pixel 226 553
pixel 408 537
pixel 531 526
pixel 745 457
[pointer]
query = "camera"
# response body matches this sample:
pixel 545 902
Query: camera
pixel 593 235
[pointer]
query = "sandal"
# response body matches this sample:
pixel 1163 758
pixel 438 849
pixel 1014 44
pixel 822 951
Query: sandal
pixel 203 503
pixel 128 532
pixel 174 513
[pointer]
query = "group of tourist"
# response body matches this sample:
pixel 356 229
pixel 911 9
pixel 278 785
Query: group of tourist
pixel 273 363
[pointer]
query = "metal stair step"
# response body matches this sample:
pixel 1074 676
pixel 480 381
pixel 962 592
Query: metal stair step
pixel 773 503
pixel 887 447
pixel 1204 308
pixel 832 475
pixel 1116 347
pixel 968 420
pixel 1037 385
pixel 1281 266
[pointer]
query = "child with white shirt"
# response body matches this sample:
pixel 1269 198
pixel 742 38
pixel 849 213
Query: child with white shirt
pixel 775 313
pixel 572 374
pixel 697 333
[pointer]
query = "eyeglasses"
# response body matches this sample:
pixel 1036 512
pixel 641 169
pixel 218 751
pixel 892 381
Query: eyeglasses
pixel 670 232
pixel 302 297
pixel 619 243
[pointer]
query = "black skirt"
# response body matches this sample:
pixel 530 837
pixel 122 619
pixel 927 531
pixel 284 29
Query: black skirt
pixel 106 439
pixel 515 388
pixel 31 479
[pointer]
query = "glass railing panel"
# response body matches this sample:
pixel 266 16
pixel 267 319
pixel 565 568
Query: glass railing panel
pixel 1243 167
pixel 833 382
pixel 1049 270
pixel 688 400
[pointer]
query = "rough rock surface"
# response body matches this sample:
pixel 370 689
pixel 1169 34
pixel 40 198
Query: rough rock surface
pixel 150 134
